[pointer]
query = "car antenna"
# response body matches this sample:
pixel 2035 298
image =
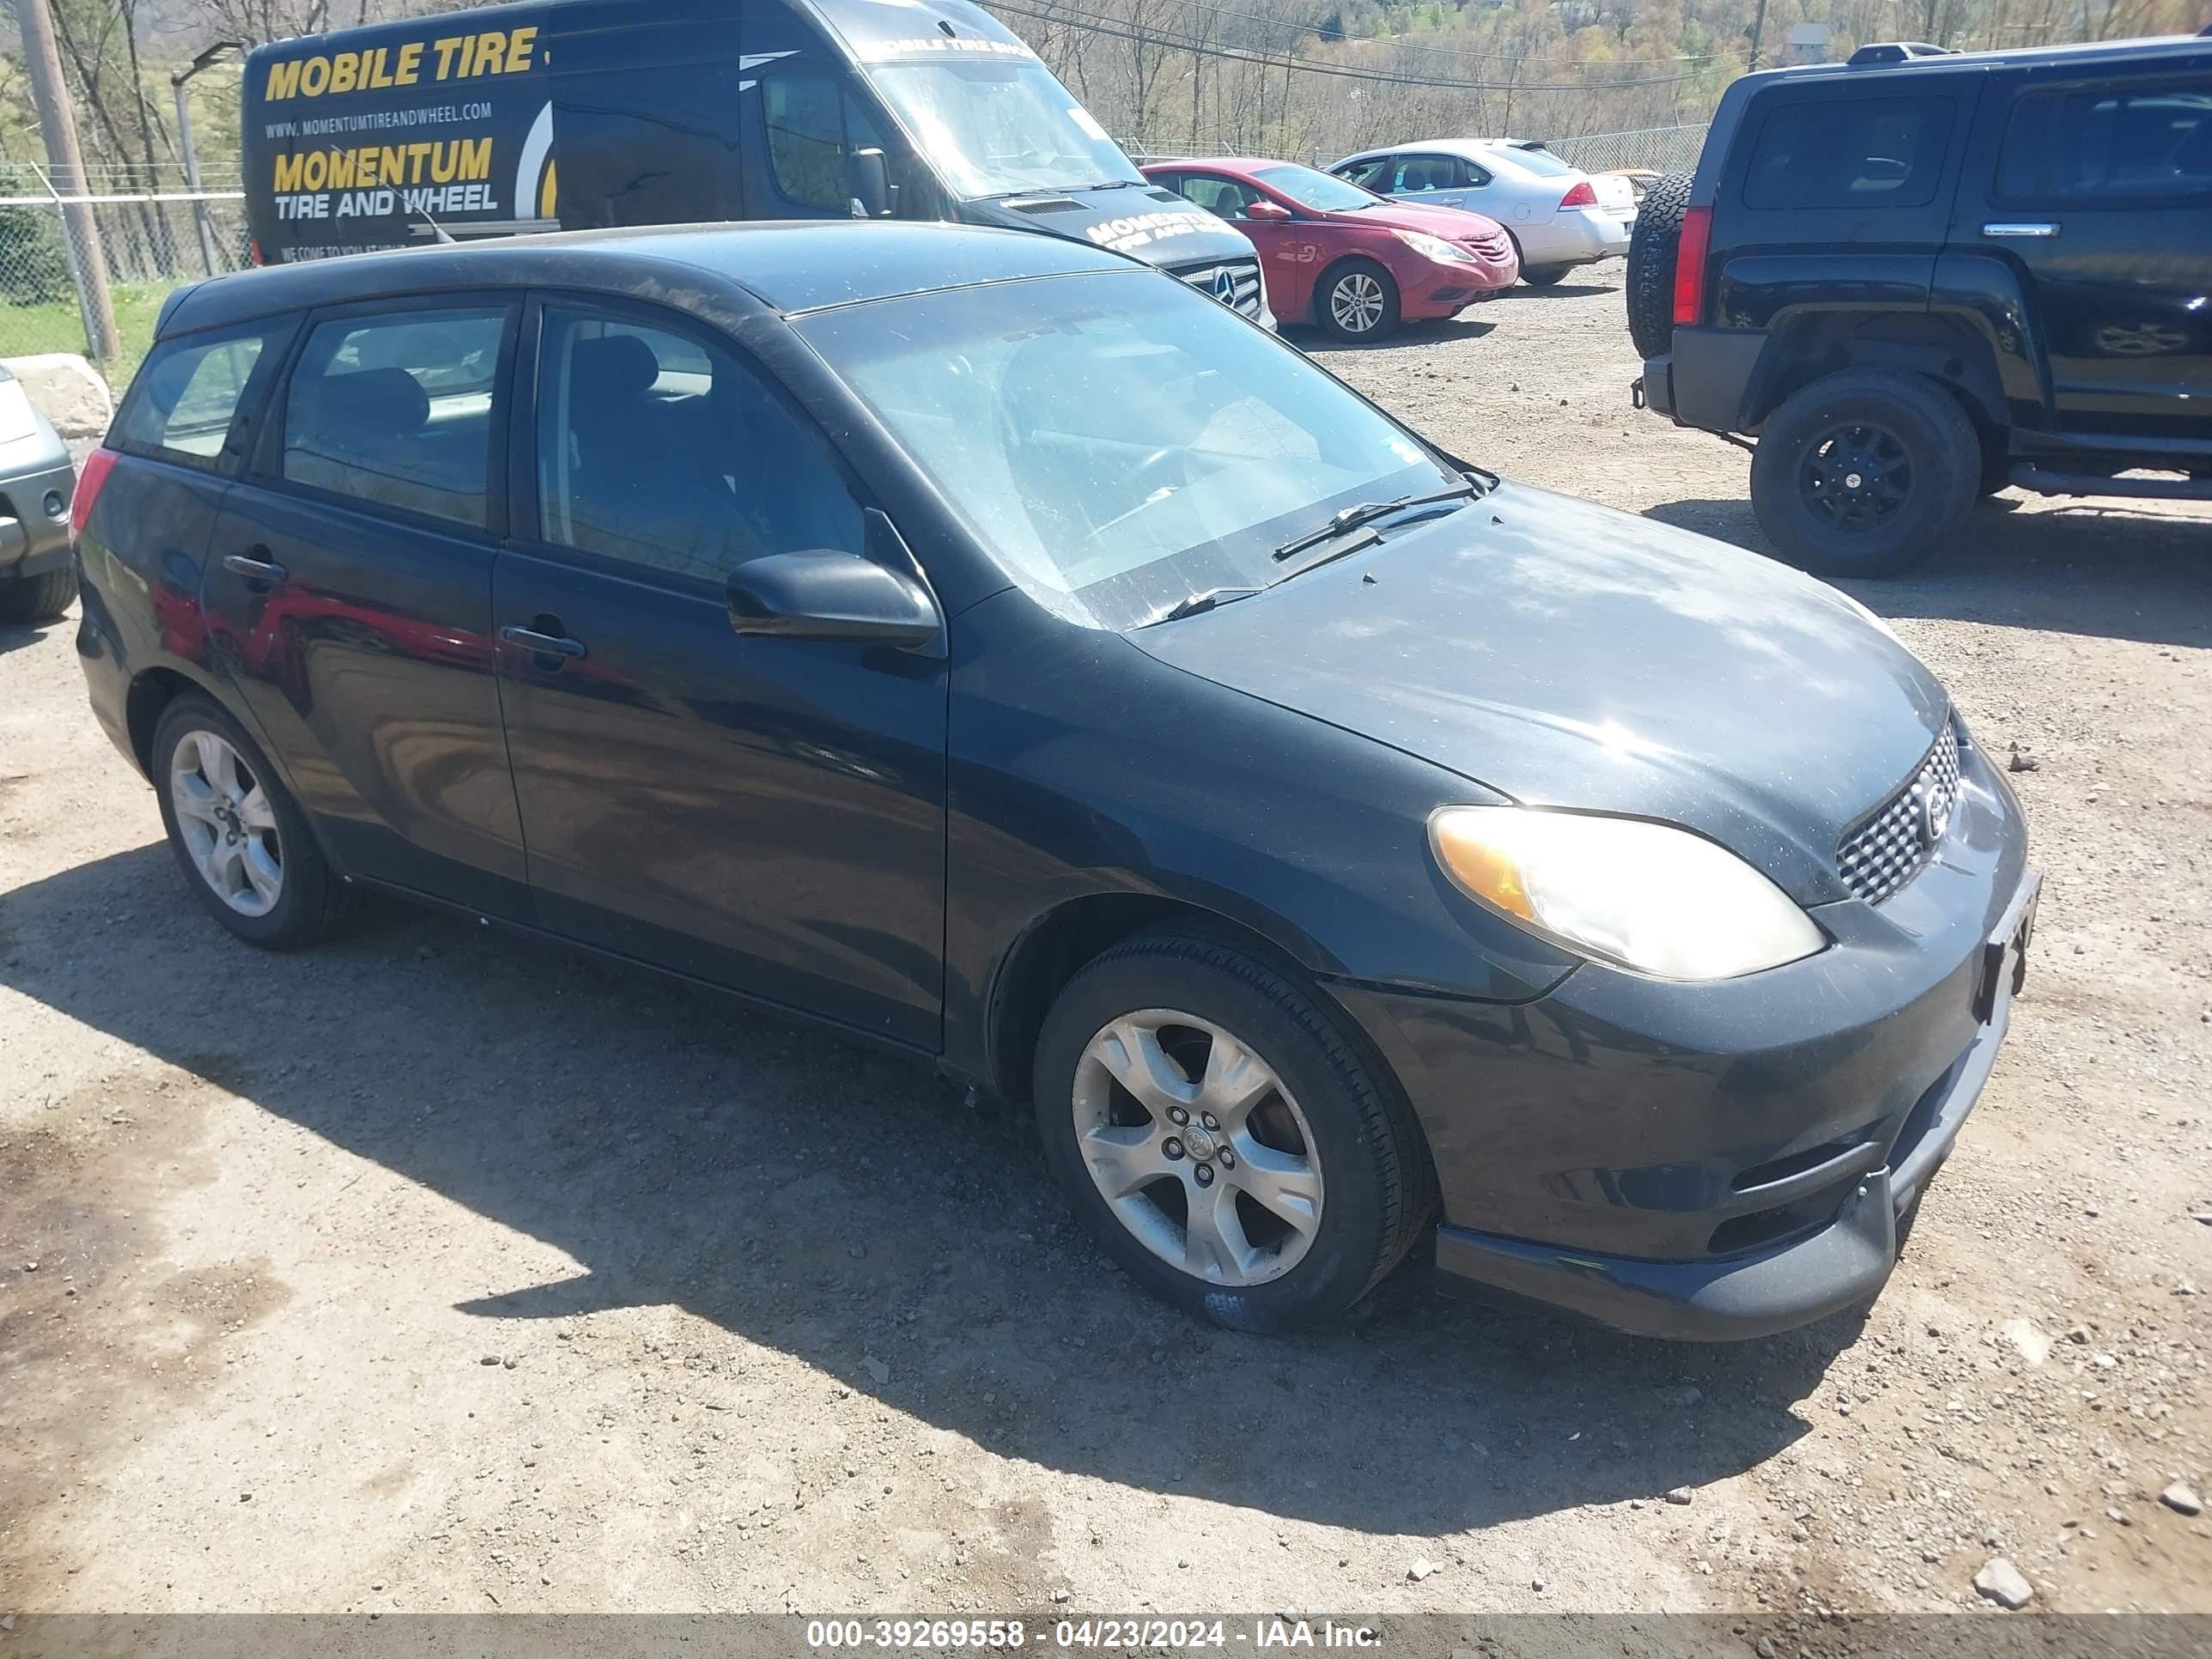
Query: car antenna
pixel 437 230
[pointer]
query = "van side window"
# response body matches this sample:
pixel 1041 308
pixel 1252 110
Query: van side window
pixel 1850 153
pixel 665 452
pixel 2140 144
pixel 645 147
pixel 397 411
pixel 181 406
pixel 812 128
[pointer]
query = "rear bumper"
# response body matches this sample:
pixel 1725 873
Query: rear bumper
pixel 1578 236
pixel 1702 382
pixel 1838 1267
pixel 35 539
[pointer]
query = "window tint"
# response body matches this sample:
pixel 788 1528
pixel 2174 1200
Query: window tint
pixel 2144 143
pixel 397 411
pixel 1223 197
pixel 184 400
pixel 1417 173
pixel 1860 153
pixel 812 128
pixel 665 452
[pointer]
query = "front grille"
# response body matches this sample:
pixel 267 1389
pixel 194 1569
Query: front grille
pixel 1235 282
pixel 1491 248
pixel 1890 847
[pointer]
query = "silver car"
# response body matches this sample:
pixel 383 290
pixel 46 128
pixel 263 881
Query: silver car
pixel 37 578
pixel 1558 216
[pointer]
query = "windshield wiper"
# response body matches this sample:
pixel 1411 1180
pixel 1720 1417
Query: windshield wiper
pixel 1198 601
pixel 1346 519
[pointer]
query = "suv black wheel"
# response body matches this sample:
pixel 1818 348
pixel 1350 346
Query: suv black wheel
pixel 38 598
pixel 1651 249
pixel 239 837
pixel 1219 1135
pixel 1356 301
pixel 1862 471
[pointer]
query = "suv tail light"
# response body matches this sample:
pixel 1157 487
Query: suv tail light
pixel 1690 250
pixel 97 466
pixel 1583 195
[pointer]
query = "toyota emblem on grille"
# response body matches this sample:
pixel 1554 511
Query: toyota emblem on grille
pixel 1225 286
pixel 1934 815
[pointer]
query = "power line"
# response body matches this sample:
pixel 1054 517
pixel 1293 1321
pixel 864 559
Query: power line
pixel 1115 28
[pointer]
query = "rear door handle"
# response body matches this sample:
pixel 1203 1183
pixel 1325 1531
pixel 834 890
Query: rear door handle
pixel 2021 227
pixel 258 570
pixel 551 645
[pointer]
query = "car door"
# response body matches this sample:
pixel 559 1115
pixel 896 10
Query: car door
pixel 1432 180
pixel 2101 199
pixel 348 593
pixel 766 814
pixel 1287 247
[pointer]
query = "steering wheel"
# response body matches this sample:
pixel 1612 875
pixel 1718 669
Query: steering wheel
pixel 1146 483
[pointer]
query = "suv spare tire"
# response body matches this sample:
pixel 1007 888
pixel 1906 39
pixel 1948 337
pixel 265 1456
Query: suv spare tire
pixel 1651 245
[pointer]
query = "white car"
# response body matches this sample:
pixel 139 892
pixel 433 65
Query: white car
pixel 1559 215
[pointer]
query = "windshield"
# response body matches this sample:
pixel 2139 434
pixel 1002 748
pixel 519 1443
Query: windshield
pixel 1001 127
pixel 1314 190
pixel 1119 441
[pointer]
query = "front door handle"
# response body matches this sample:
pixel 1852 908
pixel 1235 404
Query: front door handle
pixel 2037 228
pixel 256 570
pixel 544 645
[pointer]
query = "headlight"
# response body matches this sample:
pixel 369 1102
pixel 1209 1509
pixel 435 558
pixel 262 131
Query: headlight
pixel 1432 247
pixel 1659 900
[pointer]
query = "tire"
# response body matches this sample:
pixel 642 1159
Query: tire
pixel 1996 466
pixel 1545 276
pixel 1904 436
pixel 38 598
pixel 1363 1168
pixel 1382 292
pixel 1651 249
pixel 306 899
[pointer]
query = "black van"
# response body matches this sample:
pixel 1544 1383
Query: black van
pixel 575 114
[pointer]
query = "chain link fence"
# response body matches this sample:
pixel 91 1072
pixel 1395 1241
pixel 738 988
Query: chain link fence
pixel 148 240
pixel 1660 149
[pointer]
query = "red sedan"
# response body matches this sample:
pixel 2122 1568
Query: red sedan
pixel 1343 257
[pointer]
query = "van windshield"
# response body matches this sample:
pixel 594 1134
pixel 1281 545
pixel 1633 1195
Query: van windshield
pixel 1002 128
pixel 1121 442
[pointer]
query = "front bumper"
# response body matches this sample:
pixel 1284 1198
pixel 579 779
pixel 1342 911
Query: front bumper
pixel 35 539
pixel 1726 1160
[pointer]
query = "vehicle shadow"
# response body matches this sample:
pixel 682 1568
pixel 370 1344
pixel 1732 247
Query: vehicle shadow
pixel 841 1207
pixel 1419 336
pixel 1561 290
pixel 14 636
pixel 2111 570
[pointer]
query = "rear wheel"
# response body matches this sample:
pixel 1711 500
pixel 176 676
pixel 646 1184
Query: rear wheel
pixel 1862 472
pixel 1545 276
pixel 38 598
pixel 1358 301
pixel 1220 1136
pixel 239 837
pixel 1652 245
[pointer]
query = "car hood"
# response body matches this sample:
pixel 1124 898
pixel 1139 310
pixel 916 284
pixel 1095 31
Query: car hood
pixel 1156 225
pixel 1453 224
pixel 1567 655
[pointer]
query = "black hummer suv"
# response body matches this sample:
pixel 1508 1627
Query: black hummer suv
pixel 1923 275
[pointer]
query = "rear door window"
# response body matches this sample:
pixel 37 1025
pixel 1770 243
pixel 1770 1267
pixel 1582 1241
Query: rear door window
pixel 1833 153
pixel 2109 145
pixel 1226 198
pixel 397 411
pixel 1418 174
pixel 192 391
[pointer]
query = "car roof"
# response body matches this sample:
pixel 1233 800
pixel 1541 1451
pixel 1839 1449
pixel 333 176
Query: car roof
pixel 2153 48
pixel 1220 163
pixel 784 267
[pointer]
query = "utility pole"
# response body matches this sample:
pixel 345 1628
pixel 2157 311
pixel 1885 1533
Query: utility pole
pixel 177 82
pixel 1758 28
pixel 81 231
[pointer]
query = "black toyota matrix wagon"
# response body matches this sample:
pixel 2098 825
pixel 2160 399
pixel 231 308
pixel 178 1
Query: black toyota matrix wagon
pixel 996 648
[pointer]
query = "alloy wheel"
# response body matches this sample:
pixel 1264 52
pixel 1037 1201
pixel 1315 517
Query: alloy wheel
pixel 227 824
pixel 1197 1147
pixel 1356 302
pixel 1856 476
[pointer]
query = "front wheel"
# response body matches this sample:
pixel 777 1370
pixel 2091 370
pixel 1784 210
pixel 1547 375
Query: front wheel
pixel 1218 1135
pixel 1357 302
pixel 1863 471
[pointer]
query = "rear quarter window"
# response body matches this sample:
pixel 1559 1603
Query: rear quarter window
pixel 1833 153
pixel 192 390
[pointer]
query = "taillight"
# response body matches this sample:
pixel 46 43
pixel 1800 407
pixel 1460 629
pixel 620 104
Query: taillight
pixel 1581 195
pixel 254 252
pixel 97 466
pixel 1690 250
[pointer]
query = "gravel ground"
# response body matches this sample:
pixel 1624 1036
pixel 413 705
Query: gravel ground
pixel 432 1271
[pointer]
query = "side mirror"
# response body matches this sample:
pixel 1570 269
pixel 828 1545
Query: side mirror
pixel 825 595
pixel 1271 212
pixel 867 178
